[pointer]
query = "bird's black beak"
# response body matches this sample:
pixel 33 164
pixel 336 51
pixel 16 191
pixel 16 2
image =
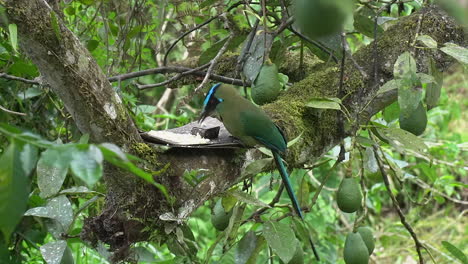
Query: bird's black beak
pixel 203 115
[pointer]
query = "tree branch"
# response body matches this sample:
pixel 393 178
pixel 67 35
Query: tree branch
pixel 408 227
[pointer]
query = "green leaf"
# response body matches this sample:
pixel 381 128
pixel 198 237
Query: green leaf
pixel 58 208
pixel 84 139
pixel 212 51
pixel 280 237
pixel 70 10
pixel 13 29
pixel 258 249
pixel 370 163
pixel 455 252
pixel 61 212
pixel 459 53
pixel 14 189
pixel 247 198
pixel 92 44
pixel 207 3
pixel 25 137
pixel 404 66
pixel 388 86
pixel 304 192
pixel 228 202
pixel 403 140
pixel 87 165
pixel 256 167
pixel 144 255
pixel 52 169
pixel 31 92
pixel 428 41
pixel 53 252
pixel 324 103
pixel 77 190
pixel 116 156
pixel 409 95
pixel 245 248
pixel 433 89
pixel 294 140
pixel 365 25
pixel 391 112
pixel 28 157
pixel 67 257
pixel 112 150
pixel 425 78
pixel 256 52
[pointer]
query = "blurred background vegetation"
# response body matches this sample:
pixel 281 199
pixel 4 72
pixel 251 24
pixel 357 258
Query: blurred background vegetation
pixel 128 36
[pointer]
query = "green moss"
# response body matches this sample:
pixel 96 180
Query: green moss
pixel 144 151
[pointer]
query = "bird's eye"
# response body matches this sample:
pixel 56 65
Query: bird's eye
pixel 220 100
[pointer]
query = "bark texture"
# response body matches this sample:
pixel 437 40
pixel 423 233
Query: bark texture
pixel 133 206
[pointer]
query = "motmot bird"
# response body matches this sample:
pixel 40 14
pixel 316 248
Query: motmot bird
pixel 252 126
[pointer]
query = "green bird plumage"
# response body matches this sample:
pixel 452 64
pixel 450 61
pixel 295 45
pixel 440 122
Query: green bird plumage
pixel 252 126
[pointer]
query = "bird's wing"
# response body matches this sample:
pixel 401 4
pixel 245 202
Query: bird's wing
pixel 258 125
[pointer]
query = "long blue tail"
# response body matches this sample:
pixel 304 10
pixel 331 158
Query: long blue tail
pixel 287 184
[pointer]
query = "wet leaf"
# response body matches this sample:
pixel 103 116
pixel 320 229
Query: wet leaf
pixel 391 112
pixel 388 86
pixel 87 165
pixel 403 140
pixel 247 198
pixel 405 66
pixel 365 25
pixel 459 53
pixel 13 30
pixel 409 95
pixel 52 169
pixel 52 252
pixel 77 190
pixel 256 52
pixel 370 163
pixel 256 167
pixel 428 41
pixel 433 89
pixel 324 103
pixel 245 248
pixel 28 158
pixel 280 237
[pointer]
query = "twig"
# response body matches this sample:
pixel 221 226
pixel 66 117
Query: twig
pixel 350 56
pixel 338 161
pixel 172 79
pixel 397 206
pixel 176 69
pixel 185 34
pixel 424 185
pixel 263 209
pixel 213 63
pixel 341 93
pixel 197 27
pixel 85 205
pixel 315 43
pixel 16 78
pixel 360 219
pixel 11 112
